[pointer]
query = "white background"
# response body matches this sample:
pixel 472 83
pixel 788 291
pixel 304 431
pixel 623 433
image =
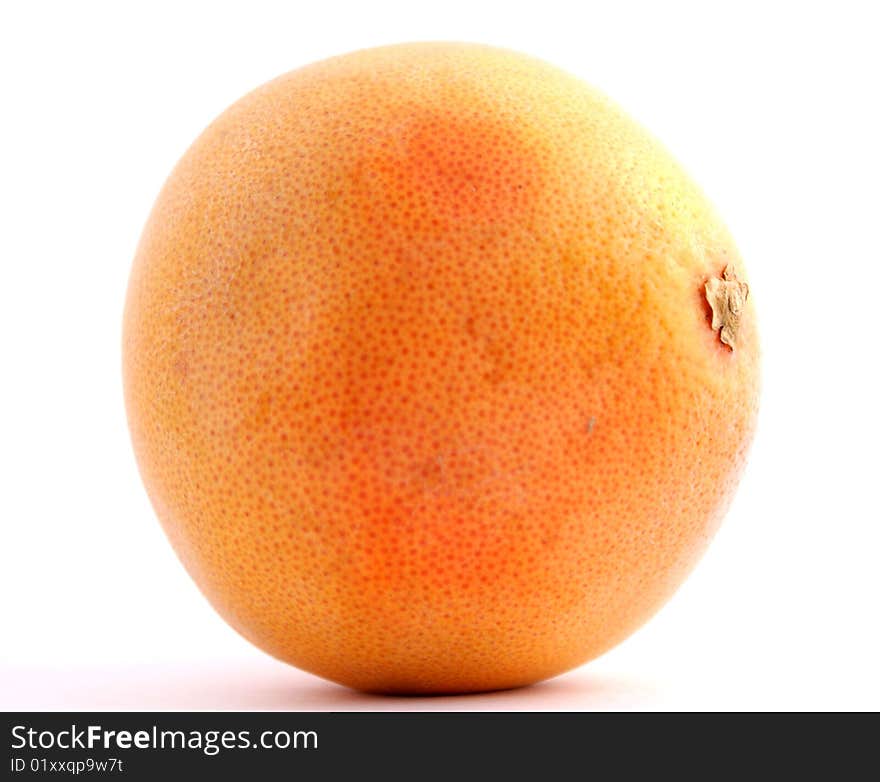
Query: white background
pixel 772 107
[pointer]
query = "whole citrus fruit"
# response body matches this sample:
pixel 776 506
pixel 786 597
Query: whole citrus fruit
pixel 440 372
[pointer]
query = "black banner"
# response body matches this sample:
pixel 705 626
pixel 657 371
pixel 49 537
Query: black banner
pixel 290 745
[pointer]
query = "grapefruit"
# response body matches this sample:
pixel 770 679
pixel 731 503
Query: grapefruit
pixel 440 371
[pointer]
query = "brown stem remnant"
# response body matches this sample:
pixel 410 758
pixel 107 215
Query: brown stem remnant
pixel 727 298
